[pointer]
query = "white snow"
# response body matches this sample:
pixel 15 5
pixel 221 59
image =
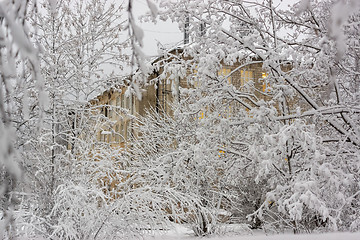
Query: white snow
pixel 181 232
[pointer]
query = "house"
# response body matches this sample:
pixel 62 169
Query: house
pixel 121 110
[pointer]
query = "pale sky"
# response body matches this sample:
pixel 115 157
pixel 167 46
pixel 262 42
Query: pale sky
pixel 168 33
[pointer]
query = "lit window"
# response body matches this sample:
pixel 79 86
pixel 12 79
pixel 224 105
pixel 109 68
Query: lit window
pixel 201 116
pixel 266 85
pixel 246 76
pixel 196 80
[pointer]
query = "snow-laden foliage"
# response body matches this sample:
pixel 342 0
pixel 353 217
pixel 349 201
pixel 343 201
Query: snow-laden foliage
pixel 170 159
pixel 278 158
pixel 294 146
pixel 138 58
pixel 17 55
pixel 310 189
pixel 66 190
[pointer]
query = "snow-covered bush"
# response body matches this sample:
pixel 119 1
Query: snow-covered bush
pixel 170 159
pixel 310 187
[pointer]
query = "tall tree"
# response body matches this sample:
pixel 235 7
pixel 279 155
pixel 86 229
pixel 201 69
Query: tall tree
pixel 81 55
pixel 17 55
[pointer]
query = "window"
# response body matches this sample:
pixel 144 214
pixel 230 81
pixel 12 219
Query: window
pixel 122 131
pixel 104 136
pixel 99 138
pixel 105 111
pixel 127 102
pixel 122 101
pixel 117 104
pixel 194 80
pixel 128 133
pixel 117 137
pixel 111 110
pixel 246 76
pixel 265 85
pixel 163 91
pixel 224 72
pixel 201 115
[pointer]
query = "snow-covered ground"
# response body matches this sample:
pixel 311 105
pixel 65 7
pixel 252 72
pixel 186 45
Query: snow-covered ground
pixel 181 232
pixel 327 236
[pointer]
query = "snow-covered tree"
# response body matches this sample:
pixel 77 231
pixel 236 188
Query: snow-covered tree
pixel 299 133
pixel 18 55
pixel 68 172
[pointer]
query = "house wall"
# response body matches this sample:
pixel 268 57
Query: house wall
pixel 119 109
